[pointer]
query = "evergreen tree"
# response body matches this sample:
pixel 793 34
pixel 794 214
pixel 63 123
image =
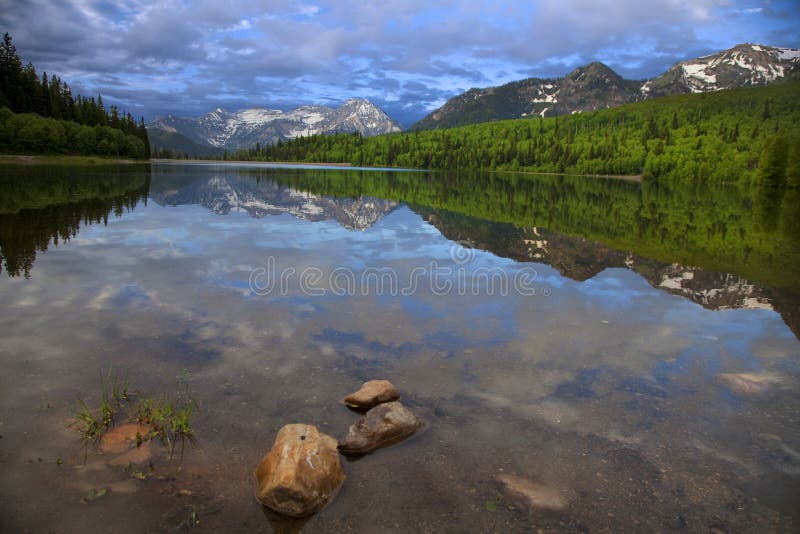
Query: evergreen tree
pixel 793 164
pixel 772 164
pixel 10 74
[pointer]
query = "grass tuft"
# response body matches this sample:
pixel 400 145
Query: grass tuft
pixel 169 419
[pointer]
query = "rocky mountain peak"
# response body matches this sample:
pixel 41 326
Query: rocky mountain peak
pixel 743 65
pixel 246 128
pixel 595 86
pixel 595 69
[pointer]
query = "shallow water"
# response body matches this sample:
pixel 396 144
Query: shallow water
pixel 575 334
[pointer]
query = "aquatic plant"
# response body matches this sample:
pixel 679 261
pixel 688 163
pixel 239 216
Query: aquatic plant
pixel 170 420
pixel 166 419
pixel 89 426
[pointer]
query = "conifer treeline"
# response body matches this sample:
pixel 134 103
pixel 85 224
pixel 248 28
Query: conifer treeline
pixel 65 123
pixel 744 135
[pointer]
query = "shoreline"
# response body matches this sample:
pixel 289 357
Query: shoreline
pixel 629 178
pixel 65 159
pixel 33 159
pixel 243 162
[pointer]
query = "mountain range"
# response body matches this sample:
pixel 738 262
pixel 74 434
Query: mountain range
pixel 591 87
pixel 596 86
pixel 219 130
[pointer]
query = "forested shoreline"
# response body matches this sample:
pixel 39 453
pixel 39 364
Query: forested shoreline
pixel 39 115
pixel 745 136
pixel 737 136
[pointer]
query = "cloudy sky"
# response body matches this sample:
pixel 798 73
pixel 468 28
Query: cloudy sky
pixel 408 56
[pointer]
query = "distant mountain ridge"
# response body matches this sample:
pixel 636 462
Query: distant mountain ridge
pixel 244 129
pixel 596 86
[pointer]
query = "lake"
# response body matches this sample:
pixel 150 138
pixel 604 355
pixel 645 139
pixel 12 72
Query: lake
pixel 629 350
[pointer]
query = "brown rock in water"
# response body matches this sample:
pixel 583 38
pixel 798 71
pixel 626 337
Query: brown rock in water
pixel 531 494
pixel 123 437
pixel 371 394
pixel 126 441
pixel 301 473
pixel 384 425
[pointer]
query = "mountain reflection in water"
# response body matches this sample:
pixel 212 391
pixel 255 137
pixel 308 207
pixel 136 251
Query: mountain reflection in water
pixel 603 223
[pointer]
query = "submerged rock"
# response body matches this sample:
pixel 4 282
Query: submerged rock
pixel 749 383
pixel 384 425
pixel 530 494
pixel 302 472
pixel 371 394
pixel 129 442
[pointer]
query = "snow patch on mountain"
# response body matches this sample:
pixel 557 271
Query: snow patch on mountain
pixel 788 54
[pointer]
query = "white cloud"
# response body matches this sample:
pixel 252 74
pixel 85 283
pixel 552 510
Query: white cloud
pixel 308 10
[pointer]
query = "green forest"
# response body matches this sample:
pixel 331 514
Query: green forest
pixel 742 135
pixel 39 115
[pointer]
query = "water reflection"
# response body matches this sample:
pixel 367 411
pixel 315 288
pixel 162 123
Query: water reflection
pixel 609 390
pixel 42 207
pixel 725 229
pixel 581 259
pixel 678 239
pixel 226 191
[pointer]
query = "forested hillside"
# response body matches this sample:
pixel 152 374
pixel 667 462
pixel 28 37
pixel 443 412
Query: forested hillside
pixel 39 115
pixel 729 136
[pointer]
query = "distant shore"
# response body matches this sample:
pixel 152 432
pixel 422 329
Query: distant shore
pixel 95 160
pixel 287 163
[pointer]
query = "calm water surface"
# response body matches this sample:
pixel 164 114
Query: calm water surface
pixel 583 334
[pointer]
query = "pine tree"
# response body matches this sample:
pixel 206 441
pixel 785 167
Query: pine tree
pixel 10 74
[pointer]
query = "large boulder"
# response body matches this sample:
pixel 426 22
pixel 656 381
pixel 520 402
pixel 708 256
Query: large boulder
pixel 384 425
pixel 371 394
pixel 302 472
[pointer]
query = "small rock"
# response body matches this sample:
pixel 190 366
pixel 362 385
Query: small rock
pixel 94 494
pixel 302 472
pixel 531 494
pixel 371 394
pixel 384 425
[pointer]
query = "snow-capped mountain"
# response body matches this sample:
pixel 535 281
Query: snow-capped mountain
pixel 587 88
pixel 596 86
pixel 246 128
pixel 742 65
pixel 226 193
